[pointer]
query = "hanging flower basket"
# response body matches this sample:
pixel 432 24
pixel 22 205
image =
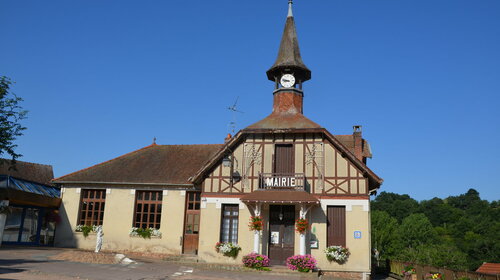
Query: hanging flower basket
pixel 337 254
pixel 256 223
pixel 301 225
pixel 228 249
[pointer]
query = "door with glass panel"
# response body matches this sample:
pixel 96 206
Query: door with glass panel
pixel 27 225
pixel 281 233
pixel 191 223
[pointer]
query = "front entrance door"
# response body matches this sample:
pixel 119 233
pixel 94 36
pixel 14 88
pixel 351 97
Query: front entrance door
pixel 191 223
pixel 281 233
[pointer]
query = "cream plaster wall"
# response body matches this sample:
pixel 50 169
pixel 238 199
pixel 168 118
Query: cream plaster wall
pixel 210 231
pixel 118 219
pixel 357 219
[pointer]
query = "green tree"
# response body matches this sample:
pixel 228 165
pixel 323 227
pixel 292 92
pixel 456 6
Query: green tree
pixel 11 113
pixel 416 230
pixel 457 232
pixel 438 255
pixel 397 205
pixel 384 232
pixel 439 212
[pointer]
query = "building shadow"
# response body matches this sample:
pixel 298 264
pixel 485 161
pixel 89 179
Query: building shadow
pixel 65 237
pixel 6 266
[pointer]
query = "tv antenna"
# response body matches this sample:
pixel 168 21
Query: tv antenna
pixel 234 110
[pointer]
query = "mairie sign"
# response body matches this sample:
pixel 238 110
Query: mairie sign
pixel 290 182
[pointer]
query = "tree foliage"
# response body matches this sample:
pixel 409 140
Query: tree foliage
pixel 11 113
pixel 459 232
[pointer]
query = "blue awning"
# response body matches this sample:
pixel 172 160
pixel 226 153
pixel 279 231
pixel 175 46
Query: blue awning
pixel 31 187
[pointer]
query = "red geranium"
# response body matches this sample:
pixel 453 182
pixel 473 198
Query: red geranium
pixel 256 223
pixel 301 225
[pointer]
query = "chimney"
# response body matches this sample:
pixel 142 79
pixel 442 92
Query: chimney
pixel 228 137
pixel 288 101
pixel 358 142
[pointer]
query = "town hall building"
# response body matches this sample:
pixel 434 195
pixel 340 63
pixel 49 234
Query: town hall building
pixel 281 168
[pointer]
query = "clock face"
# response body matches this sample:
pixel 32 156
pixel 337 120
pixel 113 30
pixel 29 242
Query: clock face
pixel 287 80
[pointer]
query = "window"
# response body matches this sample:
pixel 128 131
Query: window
pixel 92 207
pixel 148 209
pixel 229 224
pixel 336 234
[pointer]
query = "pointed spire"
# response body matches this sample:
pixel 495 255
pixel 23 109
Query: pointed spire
pixel 289 59
pixel 290 14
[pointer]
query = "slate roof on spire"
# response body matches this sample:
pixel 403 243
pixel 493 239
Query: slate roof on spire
pixel 289 54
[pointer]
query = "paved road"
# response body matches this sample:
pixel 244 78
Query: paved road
pixel 34 263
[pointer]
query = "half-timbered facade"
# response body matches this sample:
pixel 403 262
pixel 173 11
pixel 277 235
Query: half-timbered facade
pixel 281 168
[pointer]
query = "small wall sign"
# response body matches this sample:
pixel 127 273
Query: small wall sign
pixel 357 234
pixel 275 237
pixel 314 244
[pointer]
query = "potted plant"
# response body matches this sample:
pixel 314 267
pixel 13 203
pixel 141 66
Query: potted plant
pixel 337 254
pixel 227 249
pixel 145 233
pixel 409 272
pixel 86 229
pixel 302 263
pixel 434 276
pixel 256 261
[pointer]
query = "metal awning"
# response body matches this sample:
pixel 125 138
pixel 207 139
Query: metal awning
pixel 280 197
pixel 27 186
pixel 30 193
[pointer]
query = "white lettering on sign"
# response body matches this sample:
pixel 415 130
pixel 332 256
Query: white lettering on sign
pixel 280 182
pixel 269 181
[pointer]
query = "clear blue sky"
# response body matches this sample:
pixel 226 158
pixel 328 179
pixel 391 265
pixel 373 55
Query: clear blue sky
pixel 102 78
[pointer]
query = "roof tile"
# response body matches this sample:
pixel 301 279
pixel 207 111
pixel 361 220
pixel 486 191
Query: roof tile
pixel 163 164
pixel 34 172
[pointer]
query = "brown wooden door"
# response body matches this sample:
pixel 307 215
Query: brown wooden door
pixel 284 159
pixel 191 223
pixel 336 234
pixel 281 233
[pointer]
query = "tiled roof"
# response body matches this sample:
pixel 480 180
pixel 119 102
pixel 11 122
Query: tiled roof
pixel 155 164
pixel 348 142
pixel 284 121
pixel 34 172
pixel 489 268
